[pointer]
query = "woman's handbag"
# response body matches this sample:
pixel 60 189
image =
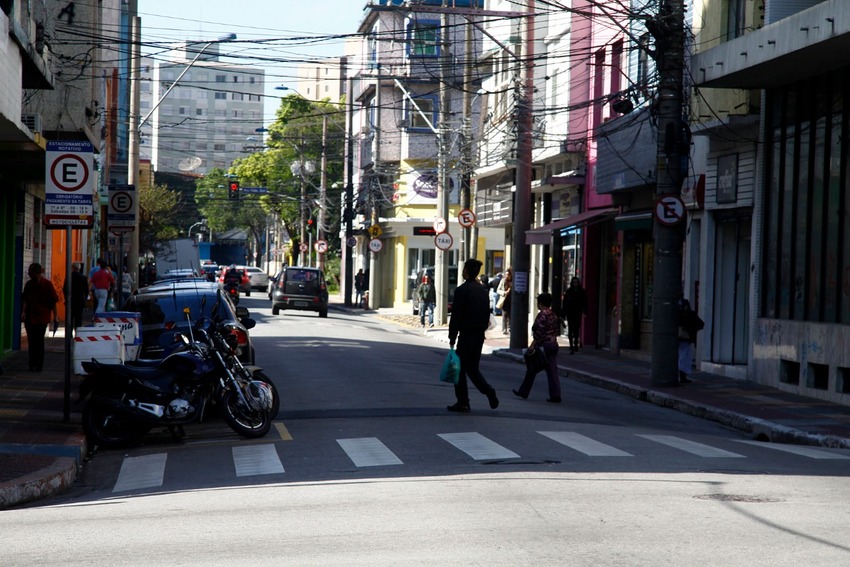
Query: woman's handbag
pixel 535 358
pixel 501 302
pixel 451 368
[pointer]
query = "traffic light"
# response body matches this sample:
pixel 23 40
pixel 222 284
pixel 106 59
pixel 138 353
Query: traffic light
pixel 233 190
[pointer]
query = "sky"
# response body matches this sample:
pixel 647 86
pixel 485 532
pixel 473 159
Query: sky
pixel 290 31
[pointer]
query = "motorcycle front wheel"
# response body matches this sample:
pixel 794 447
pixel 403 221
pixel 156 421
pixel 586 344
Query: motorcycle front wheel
pixel 260 375
pixel 243 420
pixel 110 429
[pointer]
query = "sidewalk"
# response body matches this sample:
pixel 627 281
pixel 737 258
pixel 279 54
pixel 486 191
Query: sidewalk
pixel 40 454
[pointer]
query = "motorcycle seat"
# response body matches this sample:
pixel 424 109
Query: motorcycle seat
pixel 147 376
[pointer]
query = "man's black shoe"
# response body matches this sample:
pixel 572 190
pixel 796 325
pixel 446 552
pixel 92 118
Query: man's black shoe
pixel 517 394
pixel 458 408
pixel 494 401
pixel 553 400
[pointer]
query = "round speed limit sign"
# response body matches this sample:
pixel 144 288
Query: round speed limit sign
pixel 375 245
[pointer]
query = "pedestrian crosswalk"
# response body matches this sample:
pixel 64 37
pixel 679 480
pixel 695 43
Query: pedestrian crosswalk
pixel 263 458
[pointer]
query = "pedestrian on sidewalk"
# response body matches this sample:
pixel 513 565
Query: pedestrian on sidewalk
pixel 102 282
pixel 358 286
pixel 544 331
pixel 470 319
pixel 504 291
pixel 38 309
pixel 127 285
pixel 573 308
pixel 427 297
pixel 79 293
pixel 689 325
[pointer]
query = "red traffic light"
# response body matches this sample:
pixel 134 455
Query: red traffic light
pixel 310 222
pixel 233 190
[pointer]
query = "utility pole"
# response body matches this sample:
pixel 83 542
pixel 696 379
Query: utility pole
pixel 349 193
pixel 668 30
pixel 133 147
pixel 374 279
pixel 441 269
pixel 323 192
pixel 522 198
pixel 470 244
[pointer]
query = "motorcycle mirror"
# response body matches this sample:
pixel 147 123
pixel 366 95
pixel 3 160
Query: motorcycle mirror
pixel 242 313
pixel 248 323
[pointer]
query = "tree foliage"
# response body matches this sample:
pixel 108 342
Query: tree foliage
pixel 159 210
pixel 294 137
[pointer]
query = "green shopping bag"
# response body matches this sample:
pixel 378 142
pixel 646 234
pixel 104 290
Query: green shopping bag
pixel 451 368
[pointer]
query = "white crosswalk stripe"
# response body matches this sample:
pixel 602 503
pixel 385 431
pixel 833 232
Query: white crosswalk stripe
pixel 796 450
pixel 584 444
pixel 692 447
pixel 252 460
pixel 478 447
pixel 368 452
pixel 141 472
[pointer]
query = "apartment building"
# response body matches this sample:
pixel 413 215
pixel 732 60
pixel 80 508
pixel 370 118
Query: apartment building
pixel 205 122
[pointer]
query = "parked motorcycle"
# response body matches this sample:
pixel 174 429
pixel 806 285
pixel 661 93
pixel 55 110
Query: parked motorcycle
pixel 125 402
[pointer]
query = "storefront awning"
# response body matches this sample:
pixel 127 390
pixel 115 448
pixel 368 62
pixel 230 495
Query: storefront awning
pixel 543 234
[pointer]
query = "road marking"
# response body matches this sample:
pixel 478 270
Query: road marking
pixel 252 460
pixel 584 444
pixel 478 447
pixel 692 447
pixel 796 450
pixel 141 472
pixel 282 431
pixel 368 452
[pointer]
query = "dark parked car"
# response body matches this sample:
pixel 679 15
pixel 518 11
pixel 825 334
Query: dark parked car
pixel 429 271
pixel 300 288
pixel 161 306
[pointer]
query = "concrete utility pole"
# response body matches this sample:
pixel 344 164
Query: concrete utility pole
pixel 323 192
pixel 374 277
pixel 441 270
pixel 522 198
pixel 470 244
pixel 668 30
pixel 348 251
pixel 133 142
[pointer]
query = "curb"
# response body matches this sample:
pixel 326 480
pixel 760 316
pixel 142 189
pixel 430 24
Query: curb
pixel 44 482
pixel 760 429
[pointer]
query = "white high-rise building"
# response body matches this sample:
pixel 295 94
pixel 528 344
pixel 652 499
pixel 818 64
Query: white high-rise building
pixel 206 121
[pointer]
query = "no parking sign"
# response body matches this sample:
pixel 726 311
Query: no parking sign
pixel 69 185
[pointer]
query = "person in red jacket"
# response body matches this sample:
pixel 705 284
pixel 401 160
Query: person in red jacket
pixel 102 283
pixel 38 309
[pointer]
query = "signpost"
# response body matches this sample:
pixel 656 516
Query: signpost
pixel 68 203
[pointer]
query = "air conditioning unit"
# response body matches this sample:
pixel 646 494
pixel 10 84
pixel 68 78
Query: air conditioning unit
pixel 32 121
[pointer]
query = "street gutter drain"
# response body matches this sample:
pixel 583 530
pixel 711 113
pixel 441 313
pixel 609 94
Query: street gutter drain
pixel 737 498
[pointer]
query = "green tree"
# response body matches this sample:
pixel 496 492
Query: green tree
pixel 159 209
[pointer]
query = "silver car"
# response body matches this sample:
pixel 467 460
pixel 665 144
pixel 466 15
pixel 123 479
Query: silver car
pixel 259 279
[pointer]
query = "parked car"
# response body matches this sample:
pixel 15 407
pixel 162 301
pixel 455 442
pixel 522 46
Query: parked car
pixel 161 306
pixel 429 271
pixel 245 285
pixel 300 288
pixel 259 279
pixel 210 271
pixel 179 273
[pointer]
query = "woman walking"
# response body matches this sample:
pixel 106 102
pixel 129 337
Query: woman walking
pixel 504 303
pixel 545 331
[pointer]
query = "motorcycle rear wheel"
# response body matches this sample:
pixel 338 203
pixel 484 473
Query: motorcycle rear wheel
pixel 243 420
pixel 110 429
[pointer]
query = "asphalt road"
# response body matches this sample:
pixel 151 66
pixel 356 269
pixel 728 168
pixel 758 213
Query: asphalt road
pixel 365 467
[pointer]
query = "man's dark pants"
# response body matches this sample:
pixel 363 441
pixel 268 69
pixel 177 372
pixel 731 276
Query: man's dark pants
pixel 35 345
pixel 469 351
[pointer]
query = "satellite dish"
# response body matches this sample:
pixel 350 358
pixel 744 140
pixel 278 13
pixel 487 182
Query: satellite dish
pixel 190 163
